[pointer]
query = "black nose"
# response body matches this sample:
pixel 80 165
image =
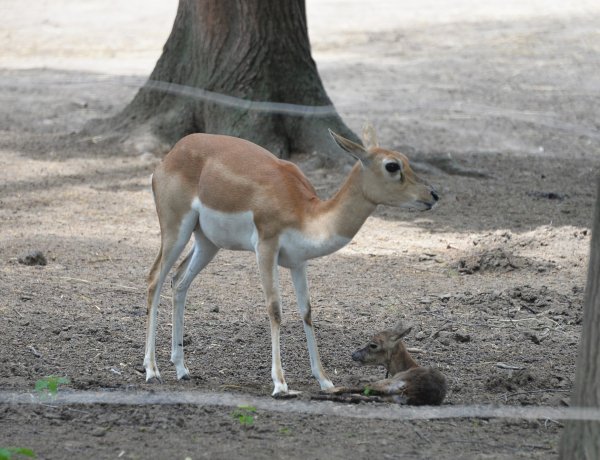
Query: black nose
pixel 356 355
pixel 435 195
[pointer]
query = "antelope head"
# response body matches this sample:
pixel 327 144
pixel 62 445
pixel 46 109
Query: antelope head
pixel 386 175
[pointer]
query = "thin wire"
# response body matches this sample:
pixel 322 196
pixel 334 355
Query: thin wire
pixel 280 108
pixel 546 119
pixel 363 411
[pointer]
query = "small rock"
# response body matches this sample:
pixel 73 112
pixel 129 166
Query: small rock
pixel 462 337
pixel 98 432
pixel 33 258
pixel 420 335
pixel 548 195
pixel 79 104
pixel 215 309
pixel 444 337
pixel 531 336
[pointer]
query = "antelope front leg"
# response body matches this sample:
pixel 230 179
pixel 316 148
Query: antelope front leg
pixel 269 276
pixel 301 287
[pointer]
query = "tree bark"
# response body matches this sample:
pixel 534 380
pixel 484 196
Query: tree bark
pixel 581 439
pixel 254 50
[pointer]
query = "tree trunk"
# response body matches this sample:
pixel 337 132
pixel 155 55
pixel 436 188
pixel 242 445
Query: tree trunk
pixel 581 439
pixel 253 50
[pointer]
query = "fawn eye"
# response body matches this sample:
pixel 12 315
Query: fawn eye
pixel 373 346
pixel 392 167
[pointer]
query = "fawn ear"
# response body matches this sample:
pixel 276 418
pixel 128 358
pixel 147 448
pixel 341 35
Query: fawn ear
pixel 354 149
pixel 369 136
pixel 402 329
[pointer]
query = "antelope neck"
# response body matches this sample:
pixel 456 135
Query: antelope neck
pixel 348 209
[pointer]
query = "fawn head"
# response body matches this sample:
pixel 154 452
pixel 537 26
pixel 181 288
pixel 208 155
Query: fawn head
pixel 387 349
pixel 387 177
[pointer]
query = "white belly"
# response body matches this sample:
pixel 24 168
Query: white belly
pixel 227 230
pixel 237 231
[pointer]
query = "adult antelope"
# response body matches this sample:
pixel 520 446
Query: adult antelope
pixel 233 194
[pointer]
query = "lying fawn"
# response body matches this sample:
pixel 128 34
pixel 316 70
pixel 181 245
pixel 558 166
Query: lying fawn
pixel 409 383
pixel 232 194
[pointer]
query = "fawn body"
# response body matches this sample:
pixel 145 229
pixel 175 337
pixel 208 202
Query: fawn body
pixel 409 383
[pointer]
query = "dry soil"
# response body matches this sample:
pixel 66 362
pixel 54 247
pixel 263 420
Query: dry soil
pixel 493 279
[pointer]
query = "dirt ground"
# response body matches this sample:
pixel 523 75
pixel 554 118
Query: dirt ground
pixel 493 278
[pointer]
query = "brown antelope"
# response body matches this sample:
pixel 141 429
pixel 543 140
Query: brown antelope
pixel 232 194
pixel 409 383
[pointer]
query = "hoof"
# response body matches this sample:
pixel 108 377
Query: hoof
pixel 287 395
pixel 280 388
pixel 182 372
pixel 153 380
pixel 326 384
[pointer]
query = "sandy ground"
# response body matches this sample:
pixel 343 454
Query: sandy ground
pixel 494 275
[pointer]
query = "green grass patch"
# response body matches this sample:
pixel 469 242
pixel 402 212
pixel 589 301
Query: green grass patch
pixel 8 453
pixel 245 415
pixel 48 386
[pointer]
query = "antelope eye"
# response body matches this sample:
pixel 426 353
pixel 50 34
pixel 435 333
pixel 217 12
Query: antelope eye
pixel 392 167
pixel 373 346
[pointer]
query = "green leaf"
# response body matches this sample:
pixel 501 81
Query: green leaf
pixel 244 414
pixel 7 453
pixel 50 384
pixel 41 385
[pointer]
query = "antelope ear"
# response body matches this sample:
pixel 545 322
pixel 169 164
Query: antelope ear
pixel 402 329
pixel 370 136
pixel 354 149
